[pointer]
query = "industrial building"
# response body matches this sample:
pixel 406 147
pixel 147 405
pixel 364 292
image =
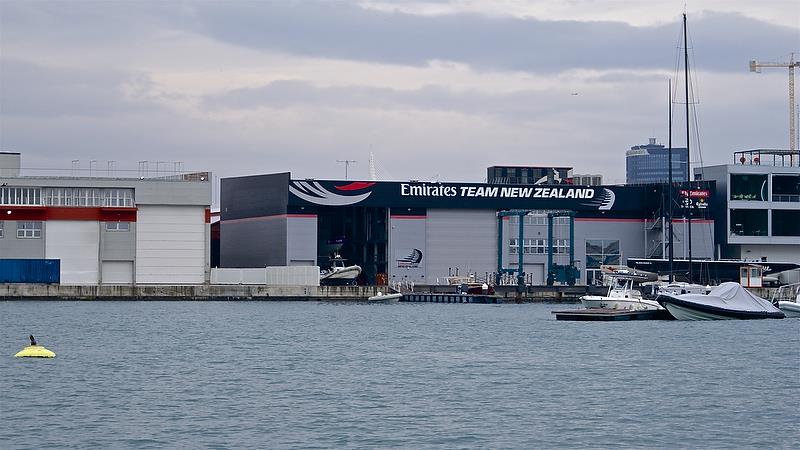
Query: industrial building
pixel 107 230
pixel 757 210
pixel 649 163
pixel 428 231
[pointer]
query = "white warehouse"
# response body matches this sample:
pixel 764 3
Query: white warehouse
pixel 108 230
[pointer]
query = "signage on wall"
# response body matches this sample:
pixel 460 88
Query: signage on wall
pixel 694 198
pixel 465 195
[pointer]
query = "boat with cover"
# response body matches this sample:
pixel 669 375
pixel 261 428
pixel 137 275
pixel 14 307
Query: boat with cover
pixel 727 301
pixel 339 273
pixel 621 296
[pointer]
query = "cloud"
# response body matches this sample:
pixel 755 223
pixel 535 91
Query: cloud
pixel 31 89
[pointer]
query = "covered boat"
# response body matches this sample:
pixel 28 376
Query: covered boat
pixel 726 301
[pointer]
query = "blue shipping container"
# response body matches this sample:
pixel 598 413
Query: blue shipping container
pixel 30 271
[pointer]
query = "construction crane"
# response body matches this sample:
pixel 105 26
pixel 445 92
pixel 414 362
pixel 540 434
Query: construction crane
pixel 756 66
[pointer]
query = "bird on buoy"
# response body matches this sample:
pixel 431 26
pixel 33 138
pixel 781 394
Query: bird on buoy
pixel 34 351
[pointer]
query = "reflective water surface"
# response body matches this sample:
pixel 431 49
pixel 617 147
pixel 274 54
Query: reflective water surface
pixel 308 374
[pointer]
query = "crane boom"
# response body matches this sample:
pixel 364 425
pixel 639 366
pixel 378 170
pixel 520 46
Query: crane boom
pixel 756 66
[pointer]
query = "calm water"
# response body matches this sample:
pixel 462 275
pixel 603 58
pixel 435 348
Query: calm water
pixel 278 375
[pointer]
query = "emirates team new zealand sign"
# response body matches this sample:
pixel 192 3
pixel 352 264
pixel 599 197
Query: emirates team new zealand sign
pixel 465 195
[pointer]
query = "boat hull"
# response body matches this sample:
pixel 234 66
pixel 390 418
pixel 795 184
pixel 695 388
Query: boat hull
pixel 790 309
pixel 631 304
pixel 684 310
pixel 386 298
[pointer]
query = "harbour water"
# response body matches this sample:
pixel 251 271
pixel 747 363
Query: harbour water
pixel 308 374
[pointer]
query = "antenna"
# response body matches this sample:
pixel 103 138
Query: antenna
pixel 346 165
pixel 372 175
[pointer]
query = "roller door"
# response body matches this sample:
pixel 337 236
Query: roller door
pixel 117 272
pixel 77 244
pixel 460 239
pixel 170 244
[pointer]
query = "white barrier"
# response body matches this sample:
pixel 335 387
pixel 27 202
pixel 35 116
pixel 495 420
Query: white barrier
pixel 270 276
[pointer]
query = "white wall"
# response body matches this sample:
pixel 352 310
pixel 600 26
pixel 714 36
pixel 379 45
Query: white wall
pixel 171 244
pixel 77 244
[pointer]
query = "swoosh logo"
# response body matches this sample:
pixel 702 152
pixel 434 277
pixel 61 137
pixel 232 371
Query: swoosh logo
pixel 313 192
pixel 604 201
pixel 355 186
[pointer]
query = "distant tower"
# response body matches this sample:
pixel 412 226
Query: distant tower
pixel 649 163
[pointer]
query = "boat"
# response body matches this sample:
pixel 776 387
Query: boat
pixel 339 274
pixel 620 296
pixel 635 274
pixel 727 301
pixel 677 288
pixel 380 297
pixel 787 299
pixel 35 351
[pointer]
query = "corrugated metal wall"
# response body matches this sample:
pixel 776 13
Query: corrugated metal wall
pixel 77 244
pixel 171 244
pixel 29 270
pixel 460 238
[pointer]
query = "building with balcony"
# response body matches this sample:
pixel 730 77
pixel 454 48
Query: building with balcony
pixel 108 230
pixel 757 214
pixel 649 163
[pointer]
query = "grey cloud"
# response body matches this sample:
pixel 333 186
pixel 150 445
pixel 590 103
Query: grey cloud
pixel 722 41
pixel 519 105
pixel 35 90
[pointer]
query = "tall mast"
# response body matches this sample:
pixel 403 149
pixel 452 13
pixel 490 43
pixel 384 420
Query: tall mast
pixel 688 152
pixel 669 188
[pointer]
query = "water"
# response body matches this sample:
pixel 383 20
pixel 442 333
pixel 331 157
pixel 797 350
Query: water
pixel 321 375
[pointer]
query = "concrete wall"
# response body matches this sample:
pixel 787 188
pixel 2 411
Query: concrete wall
pixel 11 247
pixel 273 276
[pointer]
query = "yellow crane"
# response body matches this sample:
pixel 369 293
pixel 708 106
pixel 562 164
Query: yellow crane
pixel 756 66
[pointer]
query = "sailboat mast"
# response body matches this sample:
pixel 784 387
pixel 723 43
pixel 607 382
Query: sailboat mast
pixel 688 152
pixel 669 187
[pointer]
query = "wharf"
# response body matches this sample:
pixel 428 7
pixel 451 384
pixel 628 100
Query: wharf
pixel 607 315
pixel 417 297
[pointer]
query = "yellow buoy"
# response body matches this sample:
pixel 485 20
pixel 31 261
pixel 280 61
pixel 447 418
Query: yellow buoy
pixel 35 351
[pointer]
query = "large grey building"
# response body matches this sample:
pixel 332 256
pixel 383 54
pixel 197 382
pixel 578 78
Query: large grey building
pixel 649 163
pixel 426 232
pixel 757 212
pixel 108 230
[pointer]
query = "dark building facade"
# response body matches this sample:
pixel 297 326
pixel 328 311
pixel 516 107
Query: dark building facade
pixel 528 175
pixel 425 232
pixel 649 163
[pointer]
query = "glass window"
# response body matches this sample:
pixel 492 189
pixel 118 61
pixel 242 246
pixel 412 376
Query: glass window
pixel 29 230
pixel 118 198
pixel 602 252
pixel 594 246
pixel 118 226
pixel 20 196
pixel 786 188
pixel 748 222
pixel 749 187
pixel 785 222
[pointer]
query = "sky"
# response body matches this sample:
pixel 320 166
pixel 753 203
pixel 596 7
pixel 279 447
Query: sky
pixel 433 90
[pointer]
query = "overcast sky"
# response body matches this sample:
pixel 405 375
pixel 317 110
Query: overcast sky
pixel 435 90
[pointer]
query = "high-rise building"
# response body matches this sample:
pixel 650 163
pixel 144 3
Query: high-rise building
pixel 649 164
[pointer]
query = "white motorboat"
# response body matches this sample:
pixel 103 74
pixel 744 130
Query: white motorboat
pixel 679 288
pixel 339 273
pixel 727 301
pixel 380 297
pixel 621 296
pixel 787 299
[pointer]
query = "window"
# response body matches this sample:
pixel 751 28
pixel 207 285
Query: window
pixel 513 246
pixel 785 222
pixel 749 222
pixel 118 226
pixel 1 229
pixel 601 252
pixel 786 188
pixel 20 196
pixel 118 198
pixel 29 230
pixel 86 197
pixel 749 187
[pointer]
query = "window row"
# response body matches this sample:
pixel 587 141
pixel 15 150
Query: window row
pixel 538 246
pixel 538 218
pixel 755 222
pixel 33 229
pixel 34 196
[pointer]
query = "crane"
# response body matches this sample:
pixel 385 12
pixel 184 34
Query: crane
pixel 756 66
